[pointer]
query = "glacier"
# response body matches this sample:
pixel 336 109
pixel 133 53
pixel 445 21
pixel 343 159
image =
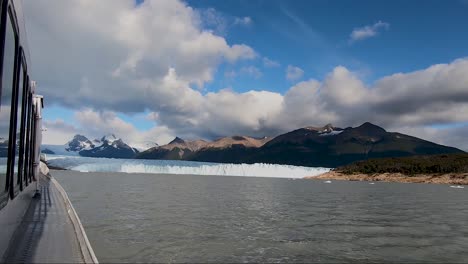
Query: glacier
pixel 85 164
pixel 60 150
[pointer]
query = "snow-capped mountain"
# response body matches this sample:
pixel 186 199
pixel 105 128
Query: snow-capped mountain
pixel 71 148
pixel 79 143
pixel 145 145
pixel 109 138
pixel 110 147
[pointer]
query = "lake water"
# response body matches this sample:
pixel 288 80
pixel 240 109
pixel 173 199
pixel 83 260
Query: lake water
pixel 194 218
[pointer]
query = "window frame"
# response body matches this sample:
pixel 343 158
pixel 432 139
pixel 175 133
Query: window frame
pixel 32 141
pixel 8 12
pixel 24 116
pixel 14 188
pixel 27 171
pixel 4 4
pixel 21 102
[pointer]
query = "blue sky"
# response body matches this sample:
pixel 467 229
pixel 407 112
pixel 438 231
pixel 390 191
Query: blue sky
pixel 209 68
pixel 314 36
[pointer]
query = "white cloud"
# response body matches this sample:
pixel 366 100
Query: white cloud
pixel 100 123
pixel 95 124
pixel 115 57
pixel 220 23
pixel 409 102
pixel 213 20
pixel 152 116
pixel 302 106
pixel 368 31
pixel 293 73
pixel 342 87
pixel 244 21
pixel 251 71
pixel 58 132
pixel 237 52
pixel 269 63
pixel 98 52
pixel 227 112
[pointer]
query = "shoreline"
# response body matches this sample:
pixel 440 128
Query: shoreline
pixel 447 178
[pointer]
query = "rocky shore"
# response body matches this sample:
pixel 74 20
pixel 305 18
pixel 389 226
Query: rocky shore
pixel 449 178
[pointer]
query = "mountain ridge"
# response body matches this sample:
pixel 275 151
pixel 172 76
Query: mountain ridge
pixel 108 146
pixel 326 146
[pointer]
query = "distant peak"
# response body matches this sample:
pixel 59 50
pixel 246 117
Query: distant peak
pixel 328 128
pixel 109 137
pixel 80 137
pixel 368 125
pixel 78 143
pixel 238 138
pixel 177 140
pixel 325 129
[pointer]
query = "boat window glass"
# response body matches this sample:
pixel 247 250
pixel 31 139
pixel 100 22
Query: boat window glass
pixel 28 138
pixel 18 150
pixel 6 99
pixel 24 129
pixel 32 144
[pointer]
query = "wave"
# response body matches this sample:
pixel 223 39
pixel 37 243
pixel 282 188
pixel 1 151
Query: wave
pixel 183 167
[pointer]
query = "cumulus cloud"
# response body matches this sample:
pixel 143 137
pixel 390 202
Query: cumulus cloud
pixel 220 23
pixel 115 57
pixel 98 123
pixel 213 20
pixel 244 21
pixel 251 71
pixel 95 124
pixel 99 52
pixel 436 95
pixel 301 104
pixel 407 102
pixel 58 131
pixel 293 73
pixel 369 31
pixel 269 63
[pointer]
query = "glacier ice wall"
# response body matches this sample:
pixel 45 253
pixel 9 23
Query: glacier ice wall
pixel 182 167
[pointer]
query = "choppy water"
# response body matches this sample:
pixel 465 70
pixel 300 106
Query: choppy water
pixel 187 218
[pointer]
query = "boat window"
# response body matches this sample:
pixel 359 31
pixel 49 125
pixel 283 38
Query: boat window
pixel 31 146
pixel 18 149
pixel 24 130
pixel 27 174
pixel 6 99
